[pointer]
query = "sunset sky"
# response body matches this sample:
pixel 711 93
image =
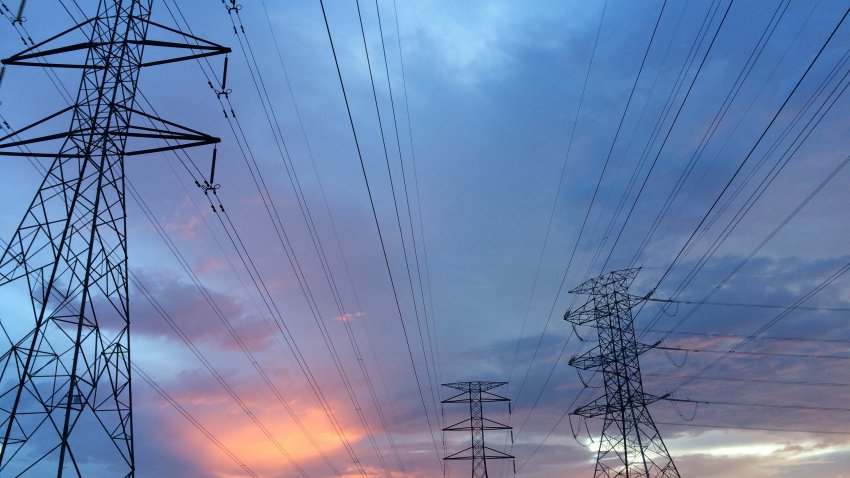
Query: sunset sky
pixel 530 146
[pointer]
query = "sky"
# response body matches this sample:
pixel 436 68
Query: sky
pixel 512 151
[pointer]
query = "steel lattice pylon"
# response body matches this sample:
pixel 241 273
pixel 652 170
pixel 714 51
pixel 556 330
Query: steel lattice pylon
pixel 65 389
pixel 631 445
pixel 476 394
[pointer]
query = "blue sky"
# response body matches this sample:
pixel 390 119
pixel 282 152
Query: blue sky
pixel 498 108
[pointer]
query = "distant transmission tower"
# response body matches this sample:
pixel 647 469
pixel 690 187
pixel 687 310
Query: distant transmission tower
pixel 631 445
pixel 65 389
pixel 476 394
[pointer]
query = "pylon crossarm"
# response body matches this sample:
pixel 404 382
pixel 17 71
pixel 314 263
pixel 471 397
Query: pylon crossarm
pixel 589 312
pixel 629 301
pixel 586 287
pixel 641 348
pixel 584 314
pixel 469 386
pixel 649 398
pixel 457 398
pixel 492 397
pixel 486 424
pixel 207 47
pixel 175 136
pixel 497 454
pixel 32 125
pixel 621 279
pixel 590 360
pixel 36 52
pixel 460 455
pixel 485 397
pixel 41 139
pixel 169 130
pixel 494 425
pixel 596 408
pixel 457 426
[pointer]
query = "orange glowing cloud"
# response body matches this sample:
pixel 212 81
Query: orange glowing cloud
pixel 245 439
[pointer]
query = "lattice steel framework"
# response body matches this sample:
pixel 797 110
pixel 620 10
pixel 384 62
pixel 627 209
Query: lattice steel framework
pixel 476 394
pixel 65 388
pixel 631 445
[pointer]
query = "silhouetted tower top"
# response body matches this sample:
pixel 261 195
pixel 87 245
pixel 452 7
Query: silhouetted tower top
pixel 65 381
pixel 631 446
pixel 476 394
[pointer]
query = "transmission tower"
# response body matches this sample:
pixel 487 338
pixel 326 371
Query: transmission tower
pixel 476 394
pixel 631 445
pixel 65 388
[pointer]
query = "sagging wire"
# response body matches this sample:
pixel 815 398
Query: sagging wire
pixel 669 314
pixel 582 421
pixel 679 412
pixel 575 332
pixel 670 357
pixel 584 382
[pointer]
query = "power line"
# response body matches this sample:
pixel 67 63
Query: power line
pixel 428 371
pixel 191 419
pixel 430 300
pixel 734 351
pixel 699 39
pixel 702 34
pixel 737 336
pixel 72 244
pixel 669 131
pixel 756 194
pixel 762 429
pixel 320 251
pixel 705 25
pixel 717 120
pixel 593 197
pixel 763 381
pixel 706 22
pixel 282 236
pixel 378 226
pixel 705 217
pixel 557 193
pixel 215 307
pixel 333 225
pixel 781 315
pixel 630 441
pixel 218 312
pixel 760 405
pixel 686 424
pixel 432 341
pixel 229 389
pixel 342 253
pixel 751 306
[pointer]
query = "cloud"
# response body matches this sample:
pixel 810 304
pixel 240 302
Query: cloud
pixel 474 43
pixel 202 320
